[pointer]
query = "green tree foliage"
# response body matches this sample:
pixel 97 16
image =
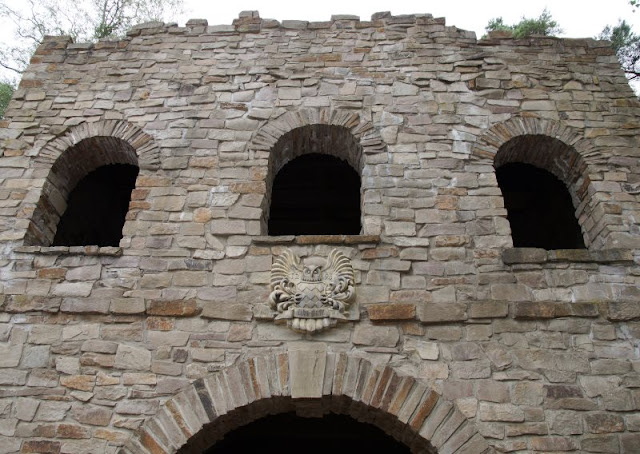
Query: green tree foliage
pixel 627 47
pixel 543 25
pixel 83 20
pixel 6 91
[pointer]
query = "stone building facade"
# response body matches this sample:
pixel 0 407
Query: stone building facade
pixel 456 341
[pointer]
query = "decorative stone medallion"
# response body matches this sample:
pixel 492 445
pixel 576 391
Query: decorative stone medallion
pixel 311 297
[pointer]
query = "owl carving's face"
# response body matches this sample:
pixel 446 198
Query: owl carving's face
pixel 312 273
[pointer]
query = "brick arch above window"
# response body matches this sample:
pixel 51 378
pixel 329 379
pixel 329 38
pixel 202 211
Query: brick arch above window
pixel 339 133
pixel 362 131
pixel 142 144
pixel 558 149
pixel 74 155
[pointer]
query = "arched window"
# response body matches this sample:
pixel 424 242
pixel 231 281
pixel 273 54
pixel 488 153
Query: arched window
pixel 86 195
pixel 97 207
pixel 314 181
pixel 542 181
pixel 315 195
pixel 539 208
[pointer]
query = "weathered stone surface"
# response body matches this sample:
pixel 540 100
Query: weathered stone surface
pixel 41 446
pixel 87 306
pixel 92 415
pixel 624 310
pixel 426 350
pixel 382 336
pixel 52 411
pixel 10 355
pixel 500 412
pixel 524 255
pixel 134 358
pixel 207 355
pixel 73 289
pixel 79 382
pixel 26 408
pixel 488 309
pixel 442 312
pixel 173 308
pixel 127 306
pixel 382 312
pixel 35 357
pixel 604 423
pixel 226 311
pixel 533 310
pixel 600 443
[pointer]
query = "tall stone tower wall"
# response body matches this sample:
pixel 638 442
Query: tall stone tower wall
pixel 456 341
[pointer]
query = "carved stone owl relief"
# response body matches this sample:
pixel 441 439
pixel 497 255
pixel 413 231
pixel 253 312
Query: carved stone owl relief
pixel 311 297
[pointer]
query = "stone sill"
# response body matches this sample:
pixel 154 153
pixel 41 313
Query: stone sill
pixel 472 312
pixel 70 250
pixel 479 311
pixel 317 239
pixel 524 255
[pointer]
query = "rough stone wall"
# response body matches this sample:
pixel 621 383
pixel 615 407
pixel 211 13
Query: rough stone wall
pixel 534 350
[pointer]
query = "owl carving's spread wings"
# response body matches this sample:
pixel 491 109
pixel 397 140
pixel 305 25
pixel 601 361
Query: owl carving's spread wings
pixel 286 266
pixel 340 280
pixel 285 276
pixel 338 266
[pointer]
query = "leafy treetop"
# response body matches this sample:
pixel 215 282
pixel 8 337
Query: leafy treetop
pixel 543 25
pixel 83 20
pixel 6 91
pixel 627 47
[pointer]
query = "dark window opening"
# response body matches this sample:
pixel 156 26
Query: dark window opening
pixel 315 194
pixel 97 207
pixel 290 434
pixel 539 208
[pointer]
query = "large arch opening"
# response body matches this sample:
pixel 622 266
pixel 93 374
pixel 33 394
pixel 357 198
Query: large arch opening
pixel 311 416
pixel 288 433
pixel 97 173
pixel 544 184
pixel 313 182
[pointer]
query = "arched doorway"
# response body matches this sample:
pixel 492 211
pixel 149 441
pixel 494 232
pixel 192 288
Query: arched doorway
pixel 288 433
pixel 308 382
